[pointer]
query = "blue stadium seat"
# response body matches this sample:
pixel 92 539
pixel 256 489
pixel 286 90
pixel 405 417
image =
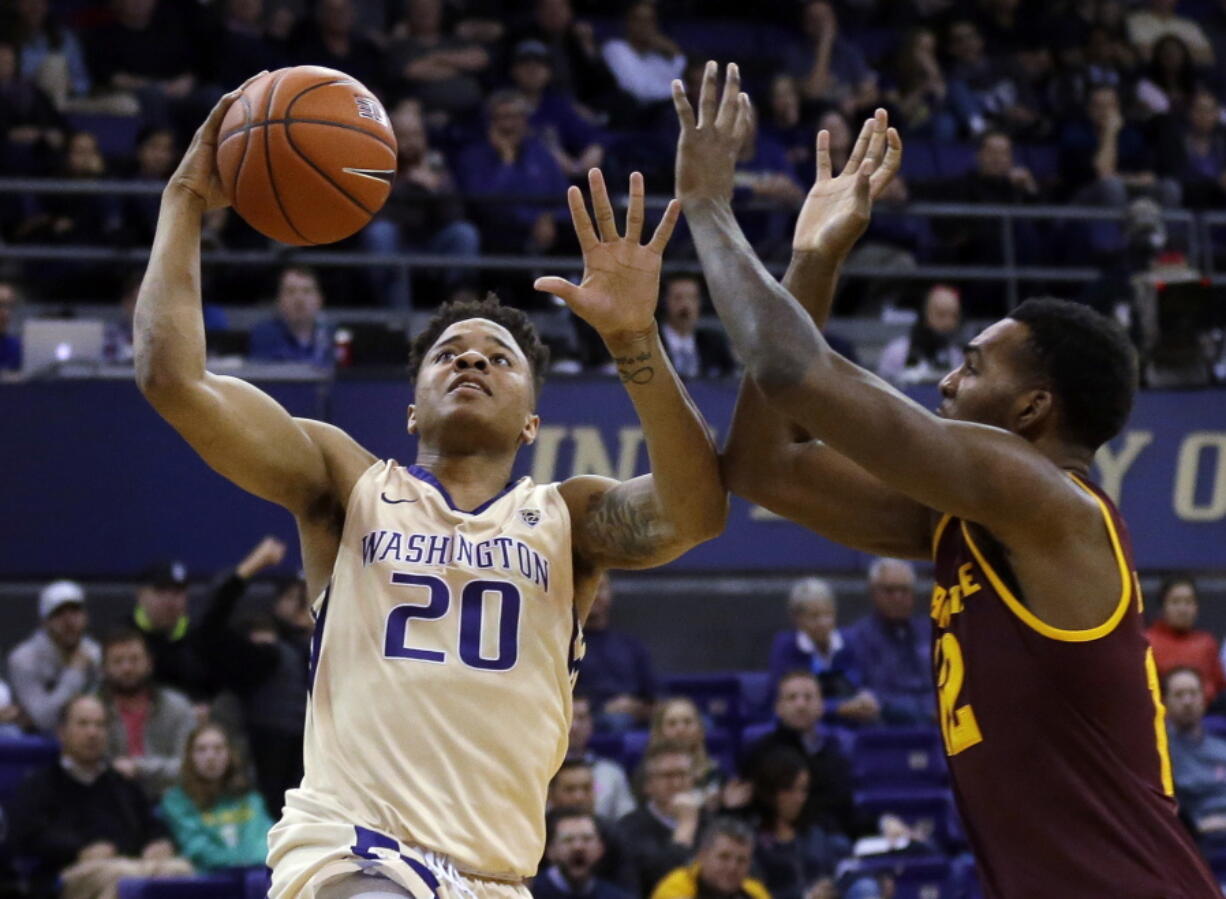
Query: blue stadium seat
pixel 718 696
pixel 899 757
pixel 915 877
pixel 219 886
pixel 930 811
pixel 21 755
pixel 756 695
pixel 919 162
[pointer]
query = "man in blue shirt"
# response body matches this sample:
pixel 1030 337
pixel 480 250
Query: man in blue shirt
pixel 10 345
pixel 891 646
pixel 297 333
pixel 616 673
pixel 1198 759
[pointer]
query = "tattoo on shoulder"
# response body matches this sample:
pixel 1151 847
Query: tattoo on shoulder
pixel 625 526
pixel 635 369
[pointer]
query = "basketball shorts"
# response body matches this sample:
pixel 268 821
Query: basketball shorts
pixel 307 853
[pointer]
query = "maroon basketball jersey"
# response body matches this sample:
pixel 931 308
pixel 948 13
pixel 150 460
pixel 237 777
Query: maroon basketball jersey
pixel 1056 738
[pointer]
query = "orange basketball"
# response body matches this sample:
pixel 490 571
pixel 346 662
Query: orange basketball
pixel 306 155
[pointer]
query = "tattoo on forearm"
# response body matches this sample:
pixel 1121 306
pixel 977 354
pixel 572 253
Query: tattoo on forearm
pixel 635 369
pixel 624 526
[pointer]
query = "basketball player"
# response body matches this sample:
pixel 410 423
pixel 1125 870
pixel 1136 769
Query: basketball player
pixel 1047 690
pixel 448 625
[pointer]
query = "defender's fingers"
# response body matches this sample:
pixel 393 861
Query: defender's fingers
pixel 634 212
pixel 743 124
pixel 664 230
pixel 876 143
pixel 580 219
pixel 559 287
pixel 681 103
pixel 889 165
pixel 861 147
pixel 823 155
pixel 728 103
pixel 601 206
pixel 707 94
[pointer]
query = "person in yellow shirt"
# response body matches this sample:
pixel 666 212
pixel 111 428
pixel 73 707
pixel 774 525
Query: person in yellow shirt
pixel 720 870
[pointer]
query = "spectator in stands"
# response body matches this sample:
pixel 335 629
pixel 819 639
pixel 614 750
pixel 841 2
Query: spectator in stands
pixel 1198 759
pixel 814 643
pixel 677 720
pixel 828 66
pixel 264 660
pixel 984 92
pixel 1193 150
pixel 242 45
pixel 1100 60
pixel 10 343
pixel 721 868
pixel 790 853
pixel 645 61
pixel 573 786
pixel 423 212
pixel 31 129
pixel 51 54
pixel 1104 160
pixel 86 824
pixel 511 162
pixel 441 70
pixel 696 352
pixel 892 646
pixel 146 50
pixel 217 819
pixel 613 796
pixel 330 38
pixel 764 173
pixel 1146 27
pixel 578 67
pixel 574 849
pixel 161 615
pixel 79 219
pixel 915 88
pixel 297 333
pixel 1176 641
pixel 147 724
pixel 798 713
pixel 156 157
pixel 58 661
pixel 12 718
pixel 1171 80
pixel 576 143
pixel 785 127
pixel 661 834
pixel 933 348
pixel 998 178
pixel 616 675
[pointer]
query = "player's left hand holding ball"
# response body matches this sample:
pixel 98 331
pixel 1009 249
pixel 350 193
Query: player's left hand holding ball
pixel 197 174
pixel 621 277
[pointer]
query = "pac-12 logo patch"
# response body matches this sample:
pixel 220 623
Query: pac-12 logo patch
pixel 531 517
pixel 370 108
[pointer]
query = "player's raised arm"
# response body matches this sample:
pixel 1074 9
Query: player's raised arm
pixel 236 428
pixel 927 458
pixel 654 518
pixel 767 459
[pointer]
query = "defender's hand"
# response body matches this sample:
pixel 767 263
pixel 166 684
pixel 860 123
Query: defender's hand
pixel 197 175
pixel 708 148
pixel 836 211
pixel 621 277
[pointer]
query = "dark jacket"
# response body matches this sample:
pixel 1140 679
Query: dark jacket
pixel 714 356
pixel 829 805
pixel 650 850
pixel 550 884
pixel 176 659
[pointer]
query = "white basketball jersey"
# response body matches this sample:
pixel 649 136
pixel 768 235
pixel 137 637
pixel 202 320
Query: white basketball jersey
pixel 442 669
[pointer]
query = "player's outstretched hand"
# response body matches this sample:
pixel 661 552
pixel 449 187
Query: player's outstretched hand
pixel 837 209
pixel 708 147
pixel 621 276
pixel 197 171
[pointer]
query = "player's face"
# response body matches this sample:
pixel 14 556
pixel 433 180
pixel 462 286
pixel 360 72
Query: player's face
pixel 127 666
pixel 815 617
pixel 574 788
pixel 680 724
pixel 994 385
pixel 576 847
pixel 724 865
pixel 790 800
pixel 474 391
pixel 581 726
pixel 83 733
pixel 211 755
pixel 67 625
pixel 1179 607
pixel 1185 700
pixel 799 704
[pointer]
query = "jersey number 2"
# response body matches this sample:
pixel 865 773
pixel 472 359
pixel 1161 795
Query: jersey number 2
pixel 958 725
pixel 472 617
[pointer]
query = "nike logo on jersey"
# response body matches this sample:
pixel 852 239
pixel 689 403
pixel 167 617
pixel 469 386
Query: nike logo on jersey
pixel 383 496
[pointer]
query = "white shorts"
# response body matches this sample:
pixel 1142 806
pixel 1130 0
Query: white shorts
pixel 307 853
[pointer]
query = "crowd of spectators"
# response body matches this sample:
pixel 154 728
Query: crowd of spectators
pixel 179 736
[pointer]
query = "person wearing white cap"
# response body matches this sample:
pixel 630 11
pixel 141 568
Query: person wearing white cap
pixel 58 661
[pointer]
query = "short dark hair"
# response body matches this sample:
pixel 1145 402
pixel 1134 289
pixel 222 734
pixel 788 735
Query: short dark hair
pixel 731 828
pixel 798 674
pixel 1174 581
pixel 298 269
pixel 120 635
pixel 1182 669
pixel 573 764
pixel 777 771
pixel 514 320
pixel 66 709
pixel 566 813
pixel 663 748
pixel 1089 363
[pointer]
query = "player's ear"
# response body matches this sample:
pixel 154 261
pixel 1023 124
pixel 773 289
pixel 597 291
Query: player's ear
pixel 412 419
pixel 1037 406
pixel 532 424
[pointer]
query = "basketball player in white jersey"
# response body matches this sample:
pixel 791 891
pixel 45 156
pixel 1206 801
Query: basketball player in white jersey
pixel 448 623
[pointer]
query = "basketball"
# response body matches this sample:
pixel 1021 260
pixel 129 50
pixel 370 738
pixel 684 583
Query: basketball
pixel 306 155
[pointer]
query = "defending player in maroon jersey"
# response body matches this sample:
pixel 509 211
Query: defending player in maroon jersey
pixel 1048 697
